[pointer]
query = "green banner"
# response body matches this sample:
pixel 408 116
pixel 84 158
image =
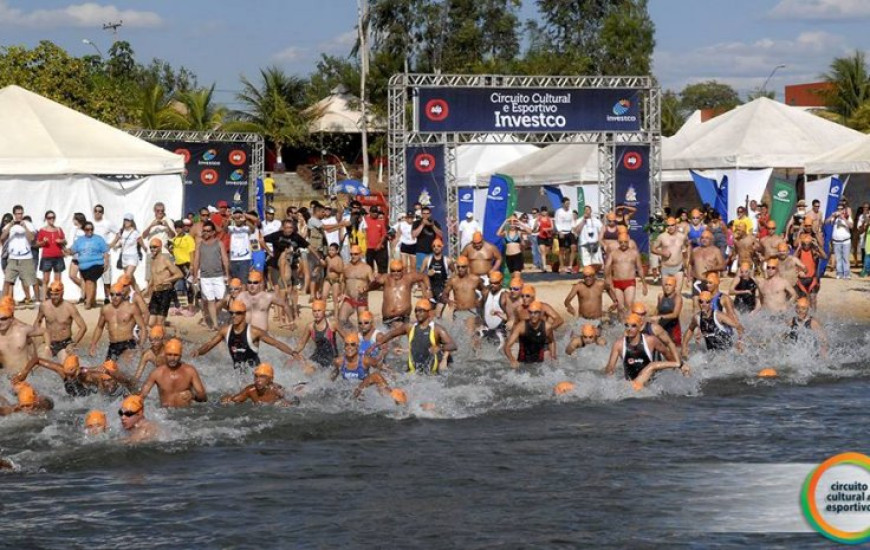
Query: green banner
pixel 511 208
pixel 783 199
pixel 581 200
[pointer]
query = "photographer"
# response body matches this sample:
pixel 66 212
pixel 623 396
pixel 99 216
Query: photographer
pixel 588 228
pixel 842 239
pixel 425 230
pixel 18 237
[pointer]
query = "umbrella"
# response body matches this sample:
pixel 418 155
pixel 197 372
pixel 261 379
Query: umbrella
pixel 351 187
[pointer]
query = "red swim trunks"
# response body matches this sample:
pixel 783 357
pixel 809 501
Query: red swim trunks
pixel 357 303
pixel 623 284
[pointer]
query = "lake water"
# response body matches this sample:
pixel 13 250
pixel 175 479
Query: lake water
pixel 499 462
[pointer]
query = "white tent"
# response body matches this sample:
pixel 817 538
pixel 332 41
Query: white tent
pixel 480 159
pixel 55 158
pixel 849 158
pixel 339 112
pixel 760 134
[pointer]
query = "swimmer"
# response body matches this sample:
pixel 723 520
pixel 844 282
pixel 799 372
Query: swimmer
pixel 482 256
pixel 370 337
pixel 438 268
pixel 398 284
pixel 803 327
pixel 258 302
pixel 429 345
pixel 535 338
pixel 323 333
pixel 621 271
pixel 721 300
pixel 668 309
pixel 77 381
pixel 29 402
pixel 589 335
pixel 178 383
pixel 494 316
pixel 637 351
pixel 132 413
pixel 673 248
pixel 154 354
pixel 111 381
pixel 528 294
pixel 59 316
pixel 703 259
pixel 161 285
pixel 358 277
pixel 16 339
pixel 744 289
pixel 263 390
pixel 121 318
pixel 774 292
pixel 354 366
pixel 242 340
pixel 466 290
pixel 95 422
pixel 717 327
pixel 654 329
pixel 590 296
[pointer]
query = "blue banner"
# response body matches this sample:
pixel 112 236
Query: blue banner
pixel 505 110
pixel 261 199
pixel 466 201
pixel 835 193
pixel 633 188
pixel 554 195
pixel 497 198
pixel 426 183
pixel 706 188
pixel 721 205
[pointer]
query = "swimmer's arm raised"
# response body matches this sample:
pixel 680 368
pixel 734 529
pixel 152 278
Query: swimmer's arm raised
pixel 216 339
pixel 264 336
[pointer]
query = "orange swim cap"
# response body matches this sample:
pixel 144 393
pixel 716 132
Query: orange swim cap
pixel 351 338
pixel 802 302
pixel 318 305
pixel 495 277
pixel 771 224
pixel 255 276
pixel 773 262
pixel 670 280
pixel 26 395
pixel 7 310
pixel 156 332
pixel 767 373
pixel 588 271
pixel 477 238
pixel 462 261
pixel 397 265
pixel 235 283
pixel 56 286
pixel 623 237
pixel 707 234
pixel 705 296
pixel 528 289
pixel 238 306
pixel 746 265
pixel 125 280
pixel 71 365
pixel 173 347
pixel 783 247
pixel 366 316
pixel 611 217
pixel 118 288
pixel 355 249
pixel 423 303
pixel 95 420
pixel 156 242
pixel 110 366
pixel 437 242
pixel 634 319
pixel 399 396
pixel 588 330
pixel 808 222
pixel 133 403
pixel 563 387
pixel 806 238
pixel 671 221
pixel 712 278
pixel 536 306
pixel 264 369
pixel 639 308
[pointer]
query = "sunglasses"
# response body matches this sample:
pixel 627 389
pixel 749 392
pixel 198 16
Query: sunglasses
pixel 516 288
pixel 528 295
pixel 358 254
pixel 702 302
pixel 235 288
pixel 365 322
pixel 770 267
pixel 154 247
pixel 695 218
pixel 534 313
pixel 629 325
pixel 122 412
pixel 672 225
pixel 419 309
pixel 88 229
pixel 5 318
pixel 239 312
pixel 97 211
pixel 117 294
pixel 49 217
pixel 392 270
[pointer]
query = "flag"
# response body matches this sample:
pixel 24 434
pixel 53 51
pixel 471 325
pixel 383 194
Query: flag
pixel 261 199
pixel 835 192
pixel 721 204
pixel 706 188
pixel 554 195
pixel 784 198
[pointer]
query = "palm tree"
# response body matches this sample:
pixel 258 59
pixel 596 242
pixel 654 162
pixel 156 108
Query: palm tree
pixel 850 84
pixel 274 108
pixel 197 112
pixel 155 110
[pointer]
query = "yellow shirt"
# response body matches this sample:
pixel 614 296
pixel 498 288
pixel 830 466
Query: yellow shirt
pixel 269 185
pixel 745 222
pixel 182 248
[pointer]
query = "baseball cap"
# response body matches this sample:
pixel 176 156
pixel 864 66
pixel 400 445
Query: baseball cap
pixel 222 204
pixel 270 210
pixel 129 216
pixel 469 214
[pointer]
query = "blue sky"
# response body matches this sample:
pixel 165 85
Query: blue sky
pixel 738 41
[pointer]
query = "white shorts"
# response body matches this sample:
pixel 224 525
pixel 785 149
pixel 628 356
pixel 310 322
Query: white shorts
pixel 107 274
pixel 212 288
pixel 587 258
pixel 129 260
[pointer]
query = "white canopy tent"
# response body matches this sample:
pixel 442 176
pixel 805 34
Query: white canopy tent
pixel 339 112
pixel 480 159
pixel 55 158
pixel 760 134
pixel 849 158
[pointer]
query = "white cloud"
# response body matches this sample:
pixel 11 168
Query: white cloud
pixel 88 14
pixel 290 54
pixel 746 65
pixel 816 10
pixel 340 44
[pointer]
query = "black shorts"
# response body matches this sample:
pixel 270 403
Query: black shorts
pixel 160 300
pixel 408 249
pixel 57 347
pixel 566 240
pixel 92 273
pixel 47 265
pixel 545 241
pixel 116 349
pixel 514 262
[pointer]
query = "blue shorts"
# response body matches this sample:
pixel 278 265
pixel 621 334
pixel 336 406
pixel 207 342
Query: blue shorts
pixel 47 265
pixel 421 259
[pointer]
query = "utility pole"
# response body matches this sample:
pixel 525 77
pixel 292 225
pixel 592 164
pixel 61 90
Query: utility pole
pixel 364 69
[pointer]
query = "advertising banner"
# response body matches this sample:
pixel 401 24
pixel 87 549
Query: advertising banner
pixel 426 183
pixel 500 203
pixel 835 193
pixel 466 201
pixel 505 110
pixel 213 172
pixel 633 189
pixel 783 199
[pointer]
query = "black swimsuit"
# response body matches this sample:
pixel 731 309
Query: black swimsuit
pixel 244 356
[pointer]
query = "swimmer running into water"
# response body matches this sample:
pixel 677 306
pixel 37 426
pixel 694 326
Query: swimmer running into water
pixel 637 352
pixel 263 390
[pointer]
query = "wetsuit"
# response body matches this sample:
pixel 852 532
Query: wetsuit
pixel 438 281
pixel 809 284
pixel 799 330
pixel 358 373
pixel 75 388
pixel 744 303
pixel 243 353
pixel 716 302
pixel 716 335
pixel 695 235
pixel 533 343
pixel 635 357
pixel 324 346
pixel 671 326
pixel 421 340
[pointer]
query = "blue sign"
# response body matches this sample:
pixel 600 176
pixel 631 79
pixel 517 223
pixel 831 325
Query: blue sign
pixel 506 110
pixel 466 201
pixel 835 193
pixel 497 199
pixel 633 189
pixel 426 183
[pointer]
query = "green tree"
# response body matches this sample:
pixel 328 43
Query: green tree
pixel 850 84
pixel 155 111
pixel 673 116
pixel 477 35
pixel 196 111
pixel 860 118
pixel 709 95
pixel 122 61
pixel 331 72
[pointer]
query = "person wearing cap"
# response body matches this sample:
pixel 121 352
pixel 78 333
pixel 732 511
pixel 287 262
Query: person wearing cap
pixel 466 290
pixel 59 316
pixel 746 247
pixel 495 318
pixel 638 352
pixel 513 299
pixel 744 288
pixel 655 227
pixel 425 230
pixel 210 268
pixel 589 292
pixel 429 344
pixel 133 421
pixel 398 285
pixel 761 221
pixel 482 256
pixel 135 298
pixel 789 266
pixel 155 354
pixel 438 268
pixel 652 328
pixel 774 292
pixel 793 227
pixel 129 242
pixel 77 381
pixel 242 340
pixel 721 301
pixel 589 228
pixel 96 422
pixel 352 365
pixel 590 335
pixel 161 228
pixel 370 337
pixel 264 389
pixel 323 333
pixel 178 383
pixel 467 228
pixel 29 402
pixel 16 339
pixel 609 233
pixel 771 240
pixel 743 221
pixel 333 283
pixel 270 224
pixel 528 294
pixel 696 228
pixel 534 336
pixel 285 261
pixel 161 285
pixel 259 302
pixel 703 259
pixel 358 277
pixel 621 270
pixel 122 318
pixel 719 330
pixel 672 247
pixel 241 229
pixel 805 330
pixel 841 239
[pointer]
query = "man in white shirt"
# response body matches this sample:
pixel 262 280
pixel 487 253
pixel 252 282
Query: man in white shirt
pixel 107 230
pixel 467 228
pixel 589 229
pixel 333 236
pixel 160 228
pixel 270 224
pixel 18 236
pixel 564 221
